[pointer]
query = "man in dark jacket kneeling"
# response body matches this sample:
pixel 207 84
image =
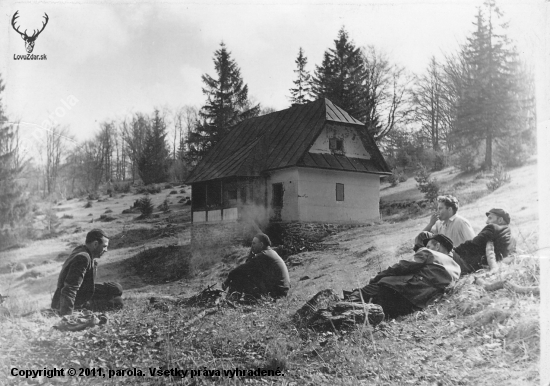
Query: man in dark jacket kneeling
pixel 264 273
pixel 76 286
pixel 409 286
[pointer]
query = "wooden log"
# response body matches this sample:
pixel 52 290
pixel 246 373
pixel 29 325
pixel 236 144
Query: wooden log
pixel 200 315
pixel 490 286
pixel 326 312
pixel 535 290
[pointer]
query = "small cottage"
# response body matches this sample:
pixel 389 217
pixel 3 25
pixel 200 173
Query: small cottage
pixel 309 163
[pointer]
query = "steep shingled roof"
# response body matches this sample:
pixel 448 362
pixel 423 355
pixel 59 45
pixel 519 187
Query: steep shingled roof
pixel 282 139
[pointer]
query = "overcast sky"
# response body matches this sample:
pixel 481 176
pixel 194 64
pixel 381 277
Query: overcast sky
pixel 114 59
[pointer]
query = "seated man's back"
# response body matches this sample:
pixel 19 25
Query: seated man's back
pixel 272 272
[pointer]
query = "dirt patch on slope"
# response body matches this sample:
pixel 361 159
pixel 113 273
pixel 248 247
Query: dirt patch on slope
pixel 162 264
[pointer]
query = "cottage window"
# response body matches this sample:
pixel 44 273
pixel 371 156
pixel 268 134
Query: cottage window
pixel 198 196
pixel 213 194
pixel 232 194
pixel 277 195
pixel 339 192
pixel 336 144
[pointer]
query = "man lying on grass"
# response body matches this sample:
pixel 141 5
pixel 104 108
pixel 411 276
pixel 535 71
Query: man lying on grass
pixel 492 244
pixel 76 287
pixel 264 273
pixel 410 286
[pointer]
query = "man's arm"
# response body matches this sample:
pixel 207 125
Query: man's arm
pixel 479 241
pixel 252 265
pixel 72 284
pixel 491 257
pixel 405 267
pixel 466 231
pixel 431 224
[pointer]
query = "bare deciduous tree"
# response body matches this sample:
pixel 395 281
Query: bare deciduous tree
pixel 134 132
pixel 429 104
pixel 386 93
pixel 56 150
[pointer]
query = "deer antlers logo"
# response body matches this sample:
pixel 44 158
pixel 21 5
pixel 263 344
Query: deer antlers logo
pixel 29 40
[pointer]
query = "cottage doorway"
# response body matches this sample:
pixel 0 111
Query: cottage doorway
pixel 277 200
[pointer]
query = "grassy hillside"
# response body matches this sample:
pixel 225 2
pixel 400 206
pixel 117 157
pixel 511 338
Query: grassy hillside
pixel 471 336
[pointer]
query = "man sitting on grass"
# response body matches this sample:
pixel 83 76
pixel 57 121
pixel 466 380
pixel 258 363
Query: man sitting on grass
pixel 492 244
pixel 471 255
pixel 447 222
pixel 410 286
pixel 264 273
pixel 76 286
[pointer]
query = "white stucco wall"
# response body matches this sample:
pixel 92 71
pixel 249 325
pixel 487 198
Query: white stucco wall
pixel 289 179
pixel 317 196
pixel 353 147
pixel 310 195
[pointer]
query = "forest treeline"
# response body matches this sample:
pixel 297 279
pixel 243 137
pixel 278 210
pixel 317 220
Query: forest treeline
pixel 473 108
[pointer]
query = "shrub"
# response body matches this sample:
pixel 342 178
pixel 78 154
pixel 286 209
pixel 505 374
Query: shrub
pixel 88 204
pixel 396 177
pixel 393 179
pixel 106 218
pixel 122 187
pixel 164 206
pixel 93 196
pixel 468 159
pixel 459 184
pixel 149 189
pixel 426 184
pixel 440 161
pixel 51 221
pixel 146 206
pixel 499 178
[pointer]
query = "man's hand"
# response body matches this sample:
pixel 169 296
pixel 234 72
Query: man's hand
pixel 433 219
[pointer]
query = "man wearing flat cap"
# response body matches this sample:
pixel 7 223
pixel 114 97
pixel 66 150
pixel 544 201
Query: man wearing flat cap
pixel 76 286
pixel 472 255
pixel 409 286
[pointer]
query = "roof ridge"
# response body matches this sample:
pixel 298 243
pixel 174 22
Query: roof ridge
pixel 278 140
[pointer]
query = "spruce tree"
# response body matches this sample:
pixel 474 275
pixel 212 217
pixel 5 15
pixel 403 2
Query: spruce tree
pixel 227 104
pixel 154 161
pixel 301 93
pixel 341 76
pixel 491 106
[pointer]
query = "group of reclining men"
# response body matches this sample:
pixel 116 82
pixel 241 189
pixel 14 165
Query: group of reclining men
pixel 445 249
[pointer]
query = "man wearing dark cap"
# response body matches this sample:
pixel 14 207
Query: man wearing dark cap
pixel 409 286
pixel 76 287
pixel 264 273
pixel 471 255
